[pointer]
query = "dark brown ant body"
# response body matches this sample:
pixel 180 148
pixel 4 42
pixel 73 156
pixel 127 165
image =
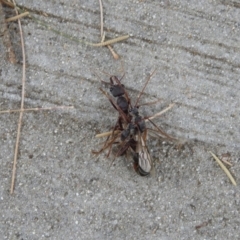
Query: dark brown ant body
pixel 131 128
pixel 118 91
pixel 130 124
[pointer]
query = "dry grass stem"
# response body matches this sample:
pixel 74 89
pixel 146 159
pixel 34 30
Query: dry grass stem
pixel 22 104
pixel 101 18
pixel 162 112
pixel 106 134
pixel 11 19
pixel 226 162
pixel 115 55
pixel 224 169
pixel 9 4
pixel 36 109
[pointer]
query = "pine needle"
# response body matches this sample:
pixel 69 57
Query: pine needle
pixel 224 168
pixel 35 109
pixel 11 19
pixel 22 104
pixel 106 134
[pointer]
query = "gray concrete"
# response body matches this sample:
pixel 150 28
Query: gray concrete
pixel 62 190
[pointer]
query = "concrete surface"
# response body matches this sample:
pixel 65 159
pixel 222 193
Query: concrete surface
pixel 63 191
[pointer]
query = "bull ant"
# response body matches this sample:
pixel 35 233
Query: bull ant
pixel 130 131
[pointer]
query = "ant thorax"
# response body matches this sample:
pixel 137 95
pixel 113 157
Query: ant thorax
pixel 138 121
pixel 123 104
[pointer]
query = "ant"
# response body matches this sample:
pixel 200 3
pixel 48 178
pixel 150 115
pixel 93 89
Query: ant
pixel 130 131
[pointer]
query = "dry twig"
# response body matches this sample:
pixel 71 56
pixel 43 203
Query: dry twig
pixel 9 4
pixel 111 41
pixel 224 169
pixel 106 134
pixel 35 109
pixel 115 55
pixel 22 104
pixel 162 112
pixel 11 19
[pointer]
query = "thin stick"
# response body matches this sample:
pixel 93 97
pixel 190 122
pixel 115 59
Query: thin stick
pixel 7 3
pixel 11 19
pixel 22 104
pixel 106 134
pixel 101 17
pixel 115 55
pixel 162 112
pixel 224 169
pixel 36 109
pixel 226 162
